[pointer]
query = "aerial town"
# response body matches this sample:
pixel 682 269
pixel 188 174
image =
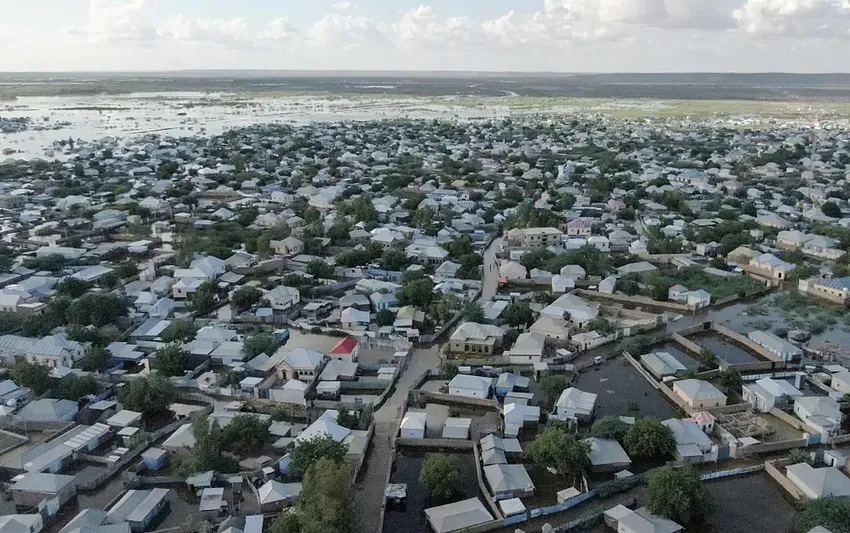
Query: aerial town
pixel 574 323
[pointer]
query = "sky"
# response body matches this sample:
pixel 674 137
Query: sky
pixel 471 35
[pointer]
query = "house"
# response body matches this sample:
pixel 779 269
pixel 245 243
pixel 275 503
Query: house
pixel 835 290
pixel 383 301
pixel 457 428
pixel 741 255
pixel 763 393
pixel 691 442
pixel 572 308
pixel 573 271
pixel 339 370
pixel 511 270
pixel 814 483
pixel 528 348
pixel 473 338
pixel 32 488
pixel 771 266
pixel 781 348
pixel 139 508
pixel 292 392
pixel 457 516
pixel 48 410
pixel 347 349
pixel 353 319
pixel 287 246
pixel 470 386
pixel 554 329
pixel 508 481
pixel 636 268
pixel 697 393
pixel 517 415
pixel 606 455
pixel 23 523
pixel 840 381
pixel 575 404
pixel 662 364
pixel 624 520
pixel 561 284
pixel 301 364
pixel 535 237
pixel 281 298
pixel 819 412
pixel 508 382
pixel 579 227
pixel 413 425
pixel 183 439
pixel 599 242
pixel 274 495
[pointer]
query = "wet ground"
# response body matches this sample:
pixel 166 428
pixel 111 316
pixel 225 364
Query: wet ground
pixel 483 422
pixel 747 504
pixel 623 392
pixel 410 518
pixel 725 349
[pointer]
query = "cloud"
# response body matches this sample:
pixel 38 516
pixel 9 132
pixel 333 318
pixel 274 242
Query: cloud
pixel 347 31
pixel 279 29
pixel 208 31
pixel 422 26
pixel 345 5
pixel 116 21
pixel 795 18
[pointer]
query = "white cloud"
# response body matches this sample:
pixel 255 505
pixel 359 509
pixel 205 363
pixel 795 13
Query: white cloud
pixel 279 29
pixel 345 5
pixel 795 18
pixel 422 26
pixel 116 21
pixel 220 32
pixel 347 31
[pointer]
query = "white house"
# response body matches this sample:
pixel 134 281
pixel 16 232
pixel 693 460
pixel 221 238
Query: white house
pixel 699 394
pixel 470 386
pixel 817 483
pixel 574 404
pixel 512 270
pixel 282 298
pixel 413 425
pixel 764 392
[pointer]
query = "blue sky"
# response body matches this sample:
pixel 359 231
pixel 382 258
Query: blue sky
pixel 494 35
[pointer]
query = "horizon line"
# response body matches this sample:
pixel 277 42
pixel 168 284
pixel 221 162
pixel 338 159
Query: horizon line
pixel 412 72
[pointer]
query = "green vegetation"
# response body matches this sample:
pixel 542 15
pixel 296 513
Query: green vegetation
pixel 243 298
pixel 830 513
pixel 245 434
pixel 518 315
pixel 610 427
pixel 799 311
pixel 326 503
pixel 148 395
pixel 555 448
pixel 32 375
pixel 678 494
pixel 171 360
pixel 441 478
pixel 260 343
pixel 694 278
pixel 75 388
pixel 306 453
pixel 552 385
pixel 649 438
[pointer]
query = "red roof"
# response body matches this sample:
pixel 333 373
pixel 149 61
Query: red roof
pixel 345 346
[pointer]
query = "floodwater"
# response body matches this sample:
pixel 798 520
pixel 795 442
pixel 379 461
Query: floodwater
pixel 483 422
pixel 766 510
pixel 723 348
pixel 188 114
pixel 623 392
pixel 410 518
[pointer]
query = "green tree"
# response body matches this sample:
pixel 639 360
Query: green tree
pixel 394 259
pixel 148 395
pixel 204 299
pixel 75 388
pixel 556 448
pixel 552 385
pixel 348 419
pixel 259 343
pixel 649 438
pixel 305 453
pixel 93 309
pixel 441 477
pixel 831 209
pixel 731 380
pixel 326 503
pixel 171 360
pixel 320 269
pixel 95 359
pixel 460 247
pixel 32 375
pixel 243 298
pixel 678 494
pixel 286 522
pixel 385 317
pixel 178 330
pixel 473 312
pixel 245 434
pixel 610 427
pixel 830 513
pixel 518 315
pixel 418 292
pixel 339 231
pixel 72 287
pixel 600 325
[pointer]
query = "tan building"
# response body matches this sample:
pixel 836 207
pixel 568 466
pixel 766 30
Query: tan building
pixel 834 290
pixel 472 338
pixel 699 394
pixel 535 237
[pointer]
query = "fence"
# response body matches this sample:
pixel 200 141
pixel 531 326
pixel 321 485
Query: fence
pixel 362 459
pixel 746 342
pixel 636 300
pixel 488 497
pixel 688 344
pixel 733 472
pixel 435 444
pixel 770 447
pixel 783 481
pixel 462 400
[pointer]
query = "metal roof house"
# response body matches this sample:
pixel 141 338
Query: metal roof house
pixel 470 386
pixel 30 489
pixel 508 481
pixel 818 482
pixel 413 425
pixel 575 404
pixel 457 516
pixel 607 455
pixel 139 508
pixel 698 393
pixel 781 348
pixel 624 520
pixel 662 364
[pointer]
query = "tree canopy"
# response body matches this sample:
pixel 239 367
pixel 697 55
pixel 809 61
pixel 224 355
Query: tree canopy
pixel 441 477
pixel 259 343
pixel 552 385
pixel 556 448
pixel 245 297
pixel 32 375
pixel 678 494
pixel 831 513
pixel 148 395
pixel 609 427
pixel 649 438
pixel 171 360
pixel 518 315
pixel 305 453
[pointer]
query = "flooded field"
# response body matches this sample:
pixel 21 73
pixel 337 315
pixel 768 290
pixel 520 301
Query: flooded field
pixel 622 391
pixel 723 348
pixel 766 511
pixel 410 518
